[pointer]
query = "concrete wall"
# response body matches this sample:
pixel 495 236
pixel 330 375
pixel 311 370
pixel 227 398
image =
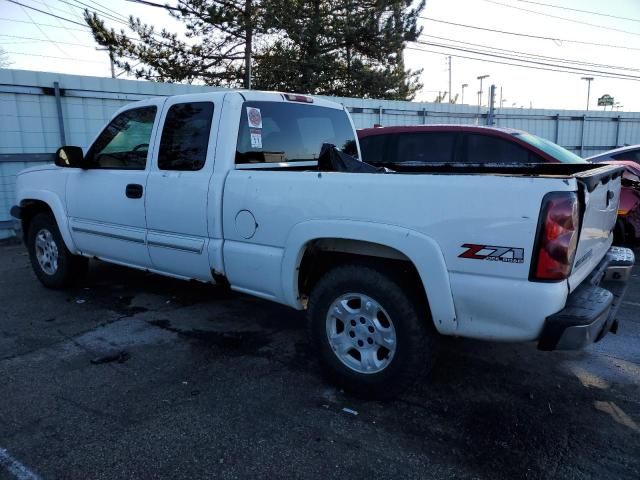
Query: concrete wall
pixel 34 122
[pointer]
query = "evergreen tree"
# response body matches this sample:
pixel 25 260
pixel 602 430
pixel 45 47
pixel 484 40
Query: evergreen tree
pixel 217 49
pixel 342 47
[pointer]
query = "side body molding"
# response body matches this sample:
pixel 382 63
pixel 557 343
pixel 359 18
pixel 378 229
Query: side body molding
pixel 422 250
pixel 58 209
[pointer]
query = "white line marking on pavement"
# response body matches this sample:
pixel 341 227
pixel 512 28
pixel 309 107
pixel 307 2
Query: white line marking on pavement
pixel 14 467
pixel 635 304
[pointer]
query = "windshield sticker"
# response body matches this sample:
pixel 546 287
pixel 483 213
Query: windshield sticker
pixel 254 117
pixel 256 138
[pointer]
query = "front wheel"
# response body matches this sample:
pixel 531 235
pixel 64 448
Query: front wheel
pixel 373 337
pixel 54 265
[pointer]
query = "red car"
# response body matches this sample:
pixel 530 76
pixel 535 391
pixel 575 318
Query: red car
pixel 628 227
pixel 394 146
pixel 410 145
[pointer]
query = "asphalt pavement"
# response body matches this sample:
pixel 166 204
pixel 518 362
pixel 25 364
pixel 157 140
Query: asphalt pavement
pixel 132 375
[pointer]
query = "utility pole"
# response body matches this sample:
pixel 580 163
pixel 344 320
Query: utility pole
pixel 248 46
pixel 464 85
pixel 492 101
pixel 500 97
pixel 450 98
pixel 110 50
pixel 589 80
pixel 481 78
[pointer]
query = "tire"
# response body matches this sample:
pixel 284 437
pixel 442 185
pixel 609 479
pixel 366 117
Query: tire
pixel 54 265
pixel 369 293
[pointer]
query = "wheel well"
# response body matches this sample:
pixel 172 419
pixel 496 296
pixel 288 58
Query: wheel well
pixel 30 208
pixel 322 255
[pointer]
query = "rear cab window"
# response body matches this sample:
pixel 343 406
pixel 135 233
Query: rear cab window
pixel 273 133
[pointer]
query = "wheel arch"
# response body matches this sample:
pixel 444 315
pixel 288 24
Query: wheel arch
pixel 35 202
pixel 354 239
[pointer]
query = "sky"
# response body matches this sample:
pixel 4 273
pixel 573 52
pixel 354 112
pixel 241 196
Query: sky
pixel 38 41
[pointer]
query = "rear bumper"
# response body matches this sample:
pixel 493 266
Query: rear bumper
pixel 590 311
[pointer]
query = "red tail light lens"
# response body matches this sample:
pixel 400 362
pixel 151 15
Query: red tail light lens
pixel 557 237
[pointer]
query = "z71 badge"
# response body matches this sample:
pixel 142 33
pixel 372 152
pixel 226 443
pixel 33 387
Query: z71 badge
pixel 492 252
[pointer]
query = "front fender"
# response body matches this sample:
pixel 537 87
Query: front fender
pixel 56 206
pixel 422 250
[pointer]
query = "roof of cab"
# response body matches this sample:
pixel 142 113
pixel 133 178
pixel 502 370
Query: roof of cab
pixel 260 95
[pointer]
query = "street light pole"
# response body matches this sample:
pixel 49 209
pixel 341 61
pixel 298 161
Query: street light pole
pixel 464 85
pixel 481 78
pixel 589 80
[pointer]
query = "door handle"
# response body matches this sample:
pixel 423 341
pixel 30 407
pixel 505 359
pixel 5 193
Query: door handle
pixel 133 190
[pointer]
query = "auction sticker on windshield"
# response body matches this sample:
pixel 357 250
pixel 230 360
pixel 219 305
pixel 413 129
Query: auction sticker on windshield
pixel 254 117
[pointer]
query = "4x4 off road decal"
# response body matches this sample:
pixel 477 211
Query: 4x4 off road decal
pixel 492 252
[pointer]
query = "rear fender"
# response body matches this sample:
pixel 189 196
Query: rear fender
pixel 422 250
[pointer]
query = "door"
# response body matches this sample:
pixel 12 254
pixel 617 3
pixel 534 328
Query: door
pixel 178 186
pixel 106 201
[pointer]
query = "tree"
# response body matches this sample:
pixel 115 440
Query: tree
pixel 216 50
pixel 343 47
pixel 4 58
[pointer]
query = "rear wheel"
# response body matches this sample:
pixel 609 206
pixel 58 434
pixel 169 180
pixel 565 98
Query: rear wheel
pixel 373 337
pixel 54 265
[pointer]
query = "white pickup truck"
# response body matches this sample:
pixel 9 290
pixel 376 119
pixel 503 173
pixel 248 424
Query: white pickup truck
pixel 229 188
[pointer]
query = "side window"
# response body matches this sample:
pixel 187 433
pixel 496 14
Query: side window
pixel 274 132
pixel 124 143
pixel 491 149
pixel 373 147
pixel 425 147
pixel 185 136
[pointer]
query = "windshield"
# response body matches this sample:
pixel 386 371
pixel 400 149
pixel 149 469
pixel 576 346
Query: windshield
pixel 556 151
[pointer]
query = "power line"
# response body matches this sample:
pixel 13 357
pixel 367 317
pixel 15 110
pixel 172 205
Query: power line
pixel 534 55
pixel 504 63
pixel 529 35
pixel 82 5
pixel 51 56
pixel 563 18
pixel 44 40
pixel 479 52
pixel 45 33
pixel 46 13
pixel 538 65
pixel 153 4
pixel 43 24
pixel 581 11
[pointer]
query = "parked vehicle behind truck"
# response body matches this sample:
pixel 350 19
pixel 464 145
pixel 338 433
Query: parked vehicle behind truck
pixel 226 188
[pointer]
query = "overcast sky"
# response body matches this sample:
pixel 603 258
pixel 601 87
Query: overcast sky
pixel 60 46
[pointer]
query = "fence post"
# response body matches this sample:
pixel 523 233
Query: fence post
pixel 56 89
pixel 618 132
pixel 380 115
pixel 557 128
pixel 584 122
pixel 424 116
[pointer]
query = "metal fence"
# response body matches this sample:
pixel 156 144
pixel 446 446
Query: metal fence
pixel 40 111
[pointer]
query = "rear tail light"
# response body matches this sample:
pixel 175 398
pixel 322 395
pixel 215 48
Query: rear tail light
pixel 557 237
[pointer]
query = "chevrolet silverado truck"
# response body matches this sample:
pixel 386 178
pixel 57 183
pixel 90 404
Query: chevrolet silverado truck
pixel 232 188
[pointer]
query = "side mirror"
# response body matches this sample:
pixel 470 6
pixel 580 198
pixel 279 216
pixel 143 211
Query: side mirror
pixel 69 156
